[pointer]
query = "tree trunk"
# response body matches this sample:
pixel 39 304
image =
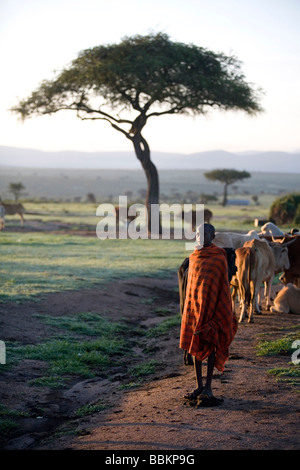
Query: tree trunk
pixel 142 151
pixel 225 195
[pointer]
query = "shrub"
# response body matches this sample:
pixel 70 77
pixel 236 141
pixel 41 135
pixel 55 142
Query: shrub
pixel 286 209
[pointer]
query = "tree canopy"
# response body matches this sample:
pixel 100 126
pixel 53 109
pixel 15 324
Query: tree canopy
pixel 142 77
pixel 16 189
pixel 140 72
pixel 227 177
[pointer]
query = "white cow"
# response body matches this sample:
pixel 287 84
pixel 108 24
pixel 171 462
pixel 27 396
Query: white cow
pixel 278 262
pixel 255 264
pixel 287 300
pixel 234 240
pixel 282 262
pixel 271 229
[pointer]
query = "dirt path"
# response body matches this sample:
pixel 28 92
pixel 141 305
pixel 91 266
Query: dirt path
pixel 256 413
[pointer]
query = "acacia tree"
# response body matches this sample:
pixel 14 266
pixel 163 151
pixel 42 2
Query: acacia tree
pixel 227 177
pixel 142 77
pixel 16 189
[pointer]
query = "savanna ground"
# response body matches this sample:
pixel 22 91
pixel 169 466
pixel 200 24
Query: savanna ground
pixel 91 329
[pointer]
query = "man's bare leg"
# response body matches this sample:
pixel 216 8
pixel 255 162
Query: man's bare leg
pixel 210 368
pixel 199 381
pixel 206 390
pixel 198 374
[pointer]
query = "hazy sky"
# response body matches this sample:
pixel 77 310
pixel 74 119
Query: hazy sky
pixel 38 37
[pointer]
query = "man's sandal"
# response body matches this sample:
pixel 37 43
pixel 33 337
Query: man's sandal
pixel 193 395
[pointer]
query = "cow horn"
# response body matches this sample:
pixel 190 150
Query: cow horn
pixel 289 243
pixel 277 240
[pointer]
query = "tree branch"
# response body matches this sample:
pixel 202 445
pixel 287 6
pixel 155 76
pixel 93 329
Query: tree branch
pixel 174 110
pixel 88 110
pixel 118 128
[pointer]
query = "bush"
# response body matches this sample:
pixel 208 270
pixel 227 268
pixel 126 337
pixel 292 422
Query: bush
pixel 297 216
pixel 286 209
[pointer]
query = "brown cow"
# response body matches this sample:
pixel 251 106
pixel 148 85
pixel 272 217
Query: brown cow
pixel 12 209
pixel 292 275
pixel 255 264
pixel 127 218
pixel 287 300
pixel 282 263
pixel 292 242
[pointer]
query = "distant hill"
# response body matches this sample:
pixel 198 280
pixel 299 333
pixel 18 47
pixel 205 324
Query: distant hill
pixel 281 162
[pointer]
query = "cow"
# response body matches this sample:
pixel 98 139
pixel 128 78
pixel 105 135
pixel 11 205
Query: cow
pixel 182 283
pixel 282 263
pixel 12 209
pixel 287 300
pixel 234 240
pixel 128 218
pixel 271 229
pixel 292 242
pixel 207 215
pixel 2 217
pixel 255 264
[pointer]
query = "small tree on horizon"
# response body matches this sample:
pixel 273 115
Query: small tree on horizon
pixel 142 77
pixel 227 177
pixel 16 189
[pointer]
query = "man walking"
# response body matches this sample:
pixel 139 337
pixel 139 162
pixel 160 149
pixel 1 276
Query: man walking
pixel 208 324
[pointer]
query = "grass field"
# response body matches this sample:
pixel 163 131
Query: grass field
pixel 33 264
pixel 36 263
pixel 77 215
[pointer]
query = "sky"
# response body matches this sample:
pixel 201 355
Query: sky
pixel 39 37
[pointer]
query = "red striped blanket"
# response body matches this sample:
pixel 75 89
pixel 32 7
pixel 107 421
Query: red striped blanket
pixel 208 308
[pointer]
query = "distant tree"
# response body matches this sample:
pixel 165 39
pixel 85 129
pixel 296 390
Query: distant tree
pixel 128 193
pixel 146 76
pixel 90 197
pixel 206 198
pixel 16 189
pixel 255 199
pixel 227 177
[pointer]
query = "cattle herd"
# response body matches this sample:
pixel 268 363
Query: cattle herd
pixel 253 260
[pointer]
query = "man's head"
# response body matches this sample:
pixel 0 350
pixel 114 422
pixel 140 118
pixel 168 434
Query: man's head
pixel 205 234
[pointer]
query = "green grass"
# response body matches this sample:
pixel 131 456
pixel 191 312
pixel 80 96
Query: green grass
pixel 74 354
pixel 33 264
pixel 143 370
pixel 279 346
pixel 165 326
pixel 283 346
pixel 79 215
pixel 73 351
pixel 63 212
pixel 9 420
pixel 288 375
pixel 85 323
pixel 90 409
pixel 67 358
